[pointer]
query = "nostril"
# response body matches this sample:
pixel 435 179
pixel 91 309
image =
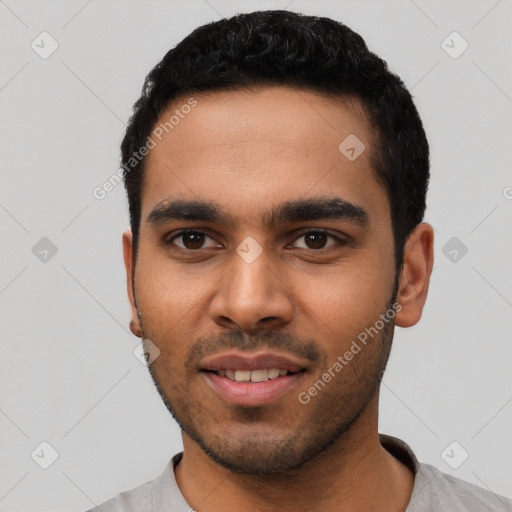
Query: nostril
pixel 268 319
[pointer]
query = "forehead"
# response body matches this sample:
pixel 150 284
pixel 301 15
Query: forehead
pixel 247 150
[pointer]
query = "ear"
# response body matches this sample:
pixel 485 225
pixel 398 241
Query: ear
pixel 135 326
pixel 415 275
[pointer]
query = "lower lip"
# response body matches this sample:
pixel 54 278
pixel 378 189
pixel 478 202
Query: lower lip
pixel 252 393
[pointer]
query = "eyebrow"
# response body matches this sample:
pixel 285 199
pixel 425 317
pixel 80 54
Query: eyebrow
pixel 301 210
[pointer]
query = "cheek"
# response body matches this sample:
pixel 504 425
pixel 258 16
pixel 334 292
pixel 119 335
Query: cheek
pixel 173 302
pixel 167 290
pixel 345 300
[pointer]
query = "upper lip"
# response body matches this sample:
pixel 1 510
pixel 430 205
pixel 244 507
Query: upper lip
pixel 258 361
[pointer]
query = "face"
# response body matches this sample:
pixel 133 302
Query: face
pixel 263 248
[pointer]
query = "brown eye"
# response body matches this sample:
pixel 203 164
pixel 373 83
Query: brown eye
pixel 317 240
pixel 192 240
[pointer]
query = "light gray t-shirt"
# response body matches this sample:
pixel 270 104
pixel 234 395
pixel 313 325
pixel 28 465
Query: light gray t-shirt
pixel 433 490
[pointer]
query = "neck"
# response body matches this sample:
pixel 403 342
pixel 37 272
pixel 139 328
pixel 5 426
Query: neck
pixel 354 473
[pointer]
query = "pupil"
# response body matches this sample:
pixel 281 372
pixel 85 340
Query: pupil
pixel 193 240
pixel 316 240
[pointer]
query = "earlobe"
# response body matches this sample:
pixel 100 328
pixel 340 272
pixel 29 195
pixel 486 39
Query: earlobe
pixel 135 326
pixel 136 329
pixel 415 275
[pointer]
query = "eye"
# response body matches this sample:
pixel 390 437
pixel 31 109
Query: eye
pixel 192 240
pixel 317 240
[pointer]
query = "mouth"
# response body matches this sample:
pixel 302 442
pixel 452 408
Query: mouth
pixel 260 375
pixel 252 380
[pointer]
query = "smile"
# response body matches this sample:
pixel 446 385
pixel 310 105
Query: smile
pixel 254 375
pixel 252 388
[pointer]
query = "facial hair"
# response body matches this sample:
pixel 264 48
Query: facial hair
pixel 256 447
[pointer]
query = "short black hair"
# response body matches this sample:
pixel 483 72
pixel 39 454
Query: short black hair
pixel 305 52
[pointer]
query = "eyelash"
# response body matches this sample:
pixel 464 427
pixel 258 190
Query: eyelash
pixel 167 242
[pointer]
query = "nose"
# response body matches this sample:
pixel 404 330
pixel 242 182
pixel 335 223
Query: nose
pixel 252 296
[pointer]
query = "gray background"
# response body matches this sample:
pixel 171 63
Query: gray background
pixel 68 375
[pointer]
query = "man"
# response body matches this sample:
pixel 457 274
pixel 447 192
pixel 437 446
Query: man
pixel 276 174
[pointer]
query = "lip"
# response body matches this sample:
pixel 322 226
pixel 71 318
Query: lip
pixel 252 394
pixel 258 361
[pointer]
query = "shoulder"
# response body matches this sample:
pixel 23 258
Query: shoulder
pixel 134 500
pixel 159 494
pixel 437 491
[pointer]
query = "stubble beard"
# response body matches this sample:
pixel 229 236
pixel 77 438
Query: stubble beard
pixel 260 449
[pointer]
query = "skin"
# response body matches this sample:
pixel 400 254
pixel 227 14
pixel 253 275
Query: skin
pixel 249 151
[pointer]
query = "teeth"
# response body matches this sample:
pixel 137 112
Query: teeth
pixel 242 376
pixel 273 373
pixel 252 376
pixel 259 375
